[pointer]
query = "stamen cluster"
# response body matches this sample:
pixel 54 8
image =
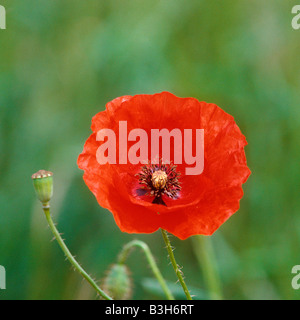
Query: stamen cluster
pixel 160 179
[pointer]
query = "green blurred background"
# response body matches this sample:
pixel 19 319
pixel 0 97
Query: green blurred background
pixel 62 60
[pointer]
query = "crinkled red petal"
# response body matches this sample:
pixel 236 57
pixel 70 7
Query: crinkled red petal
pixel 205 202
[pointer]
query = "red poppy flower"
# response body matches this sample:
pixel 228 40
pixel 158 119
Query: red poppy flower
pixel 145 197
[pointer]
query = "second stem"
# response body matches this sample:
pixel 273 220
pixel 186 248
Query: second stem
pixel 175 265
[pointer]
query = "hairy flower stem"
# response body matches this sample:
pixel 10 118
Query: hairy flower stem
pixel 68 254
pixel 142 245
pixel 204 253
pixel 175 265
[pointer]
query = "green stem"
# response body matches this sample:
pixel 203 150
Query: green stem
pixel 142 245
pixel 72 260
pixel 205 255
pixel 175 265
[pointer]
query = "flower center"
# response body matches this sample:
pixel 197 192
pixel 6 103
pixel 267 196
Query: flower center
pixel 160 180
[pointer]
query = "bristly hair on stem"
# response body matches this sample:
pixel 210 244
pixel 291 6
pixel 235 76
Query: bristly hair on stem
pixel 70 257
pixel 176 268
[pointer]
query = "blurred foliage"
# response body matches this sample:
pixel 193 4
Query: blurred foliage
pixel 62 60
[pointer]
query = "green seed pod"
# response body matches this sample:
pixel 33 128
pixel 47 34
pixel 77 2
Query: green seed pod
pixel 117 282
pixel 43 185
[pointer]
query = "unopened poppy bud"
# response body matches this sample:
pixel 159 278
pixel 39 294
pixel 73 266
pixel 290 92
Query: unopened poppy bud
pixel 117 282
pixel 43 185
